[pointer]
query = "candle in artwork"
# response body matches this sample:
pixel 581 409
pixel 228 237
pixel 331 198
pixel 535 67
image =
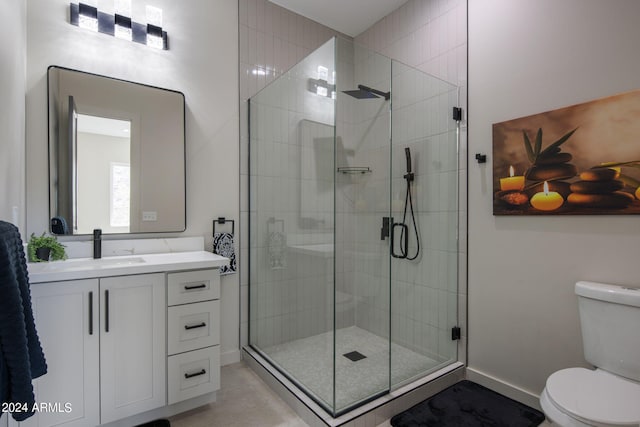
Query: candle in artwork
pixel 513 182
pixel 547 200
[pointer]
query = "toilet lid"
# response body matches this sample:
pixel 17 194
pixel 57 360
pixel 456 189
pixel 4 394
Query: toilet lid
pixel 595 396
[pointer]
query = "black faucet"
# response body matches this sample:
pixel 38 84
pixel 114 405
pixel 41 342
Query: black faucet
pixel 97 243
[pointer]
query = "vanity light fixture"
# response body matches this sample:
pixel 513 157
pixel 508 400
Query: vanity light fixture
pixel 88 18
pixel 323 85
pixel 154 27
pixel 122 19
pixel 121 25
pixel 321 88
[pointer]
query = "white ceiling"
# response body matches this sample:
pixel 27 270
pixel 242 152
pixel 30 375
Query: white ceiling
pixel 103 126
pixel 350 17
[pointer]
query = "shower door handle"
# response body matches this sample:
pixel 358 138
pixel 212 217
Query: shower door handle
pixel 385 231
pixel 404 243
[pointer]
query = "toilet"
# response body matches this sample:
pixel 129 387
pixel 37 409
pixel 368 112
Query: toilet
pixel 610 394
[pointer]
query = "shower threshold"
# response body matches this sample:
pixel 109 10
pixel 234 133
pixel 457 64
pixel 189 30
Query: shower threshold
pixel 371 413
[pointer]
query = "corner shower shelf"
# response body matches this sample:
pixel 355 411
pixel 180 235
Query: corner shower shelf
pixel 355 170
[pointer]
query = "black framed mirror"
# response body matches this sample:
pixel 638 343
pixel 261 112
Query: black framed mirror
pixel 116 155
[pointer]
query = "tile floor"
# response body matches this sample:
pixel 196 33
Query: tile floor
pixel 309 359
pixel 244 400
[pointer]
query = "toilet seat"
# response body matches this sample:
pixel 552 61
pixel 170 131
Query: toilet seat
pixel 595 397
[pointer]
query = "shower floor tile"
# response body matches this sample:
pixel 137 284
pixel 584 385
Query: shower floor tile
pixel 310 361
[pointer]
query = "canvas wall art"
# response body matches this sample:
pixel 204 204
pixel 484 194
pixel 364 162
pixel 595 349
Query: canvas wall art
pixel 582 160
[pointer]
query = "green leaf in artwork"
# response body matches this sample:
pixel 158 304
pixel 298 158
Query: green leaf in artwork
pixel 561 140
pixel 538 142
pixel 631 182
pixel 633 164
pixel 527 146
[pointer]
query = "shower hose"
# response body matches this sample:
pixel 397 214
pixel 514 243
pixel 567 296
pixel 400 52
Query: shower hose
pixel 408 203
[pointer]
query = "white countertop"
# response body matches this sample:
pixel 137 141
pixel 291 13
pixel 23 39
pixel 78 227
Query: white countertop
pixel 84 268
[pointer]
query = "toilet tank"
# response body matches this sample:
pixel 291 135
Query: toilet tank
pixel 610 322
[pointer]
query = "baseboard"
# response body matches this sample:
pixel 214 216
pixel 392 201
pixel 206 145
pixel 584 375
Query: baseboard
pixel 229 357
pixel 509 390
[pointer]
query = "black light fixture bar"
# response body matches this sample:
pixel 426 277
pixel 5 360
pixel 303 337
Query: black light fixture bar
pixel 106 25
pixel 123 21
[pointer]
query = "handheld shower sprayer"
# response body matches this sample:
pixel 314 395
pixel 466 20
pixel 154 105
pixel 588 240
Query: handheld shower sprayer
pixel 404 228
pixel 407 153
pixel 409 176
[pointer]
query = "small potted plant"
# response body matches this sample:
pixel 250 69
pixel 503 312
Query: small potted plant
pixel 42 248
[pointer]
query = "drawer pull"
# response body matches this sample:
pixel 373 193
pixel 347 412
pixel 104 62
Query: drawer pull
pixel 106 310
pixel 195 374
pixel 90 313
pixel 192 287
pixel 199 325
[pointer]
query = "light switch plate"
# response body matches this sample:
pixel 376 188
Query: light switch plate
pixel 149 216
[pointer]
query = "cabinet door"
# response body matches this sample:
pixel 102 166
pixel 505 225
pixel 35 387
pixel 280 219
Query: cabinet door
pixel 66 316
pixel 132 345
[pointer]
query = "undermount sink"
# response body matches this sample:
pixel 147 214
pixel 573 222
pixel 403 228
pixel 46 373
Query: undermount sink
pixel 86 264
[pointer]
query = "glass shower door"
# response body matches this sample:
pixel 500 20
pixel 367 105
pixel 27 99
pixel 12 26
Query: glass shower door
pixel 362 200
pixel 424 193
pixel 353 215
pixel 291 220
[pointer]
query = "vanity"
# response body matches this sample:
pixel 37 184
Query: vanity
pixel 127 339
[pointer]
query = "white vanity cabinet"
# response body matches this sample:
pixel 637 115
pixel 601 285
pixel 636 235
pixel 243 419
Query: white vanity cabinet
pixel 66 315
pixel 112 358
pixel 132 343
pixel 193 324
pixel 104 342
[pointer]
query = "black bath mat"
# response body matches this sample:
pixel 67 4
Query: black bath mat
pixel 156 423
pixel 467 404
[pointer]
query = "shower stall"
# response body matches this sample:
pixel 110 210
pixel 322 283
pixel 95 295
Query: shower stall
pixel 353 200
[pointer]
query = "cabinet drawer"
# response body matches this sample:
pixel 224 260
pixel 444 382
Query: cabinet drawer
pixel 193 326
pixel 193 374
pixel 193 286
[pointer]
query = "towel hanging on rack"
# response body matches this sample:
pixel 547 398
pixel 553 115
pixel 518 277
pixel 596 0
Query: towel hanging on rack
pixel 21 355
pixel 223 245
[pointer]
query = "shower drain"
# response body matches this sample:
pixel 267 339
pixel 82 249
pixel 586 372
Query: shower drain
pixel 354 356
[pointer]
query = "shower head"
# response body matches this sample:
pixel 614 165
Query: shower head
pixel 365 92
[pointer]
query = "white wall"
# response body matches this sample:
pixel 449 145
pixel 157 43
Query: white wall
pixel 526 57
pixel 96 153
pixel 12 117
pixel 202 63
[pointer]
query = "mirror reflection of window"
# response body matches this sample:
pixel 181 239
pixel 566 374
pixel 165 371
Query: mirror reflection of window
pixel 103 174
pixel 120 197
